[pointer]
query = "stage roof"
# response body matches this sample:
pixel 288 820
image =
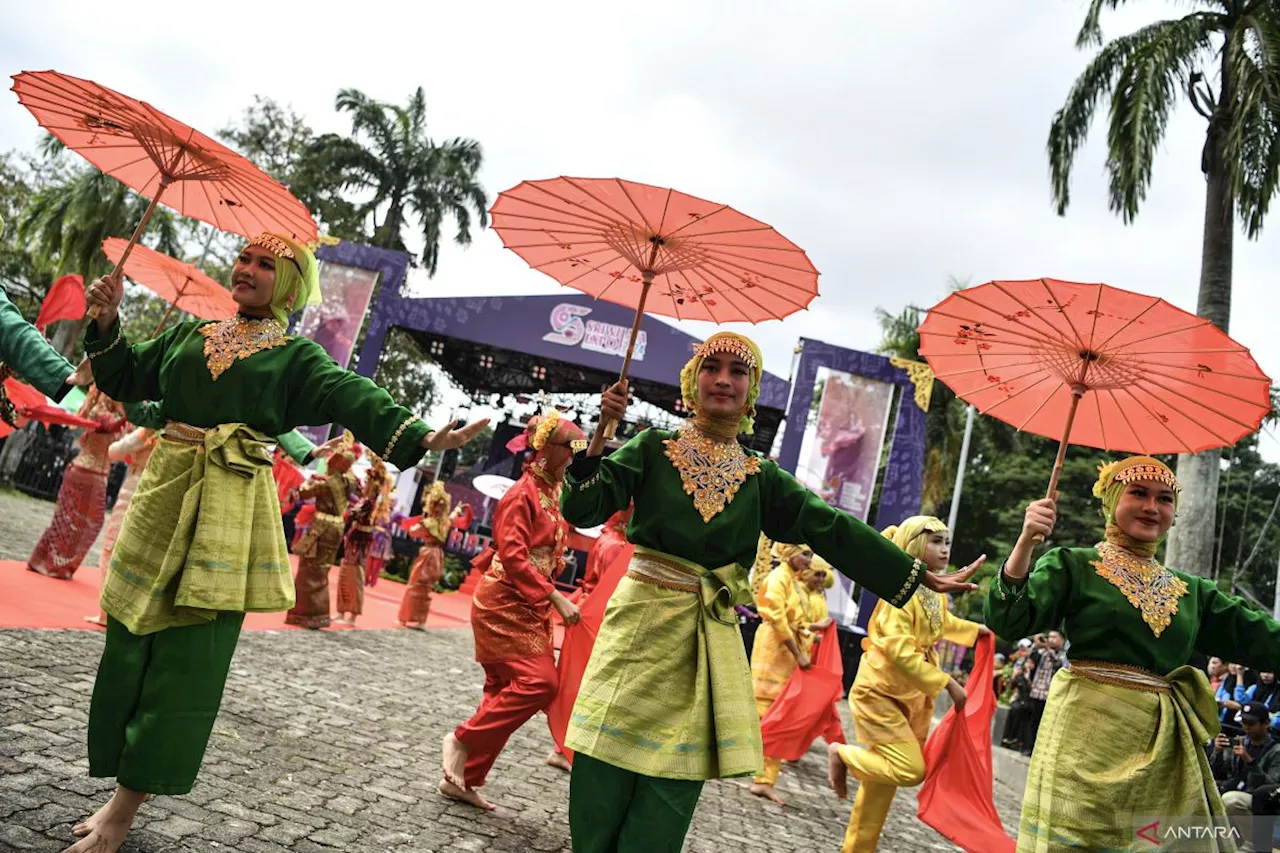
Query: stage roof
pixel 563 344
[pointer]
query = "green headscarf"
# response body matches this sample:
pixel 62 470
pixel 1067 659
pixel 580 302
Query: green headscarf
pixel 297 275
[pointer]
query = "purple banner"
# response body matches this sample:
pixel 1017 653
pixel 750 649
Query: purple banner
pixel 903 484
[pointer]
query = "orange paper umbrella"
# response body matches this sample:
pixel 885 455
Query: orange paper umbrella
pixel 150 152
pixel 655 249
pixel 182 285
pixel 1094 365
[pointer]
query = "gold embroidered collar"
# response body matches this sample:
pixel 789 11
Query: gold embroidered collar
pixel 932 604
pixel 239 337
pixel 1149 586
pixel 711 471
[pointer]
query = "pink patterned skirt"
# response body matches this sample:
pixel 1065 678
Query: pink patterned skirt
pixel 77 520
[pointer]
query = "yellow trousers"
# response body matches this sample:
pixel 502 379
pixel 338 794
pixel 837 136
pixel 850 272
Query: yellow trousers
pixel 772 766
pixel 881 770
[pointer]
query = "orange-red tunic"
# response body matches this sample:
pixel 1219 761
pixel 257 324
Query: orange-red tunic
pixel 511 613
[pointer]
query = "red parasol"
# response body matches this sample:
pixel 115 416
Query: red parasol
pixel 616 240
pixel 149 151
pixel 1093 365
pixel 182 285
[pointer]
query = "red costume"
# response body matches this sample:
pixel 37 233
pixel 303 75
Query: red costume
pixel 511 609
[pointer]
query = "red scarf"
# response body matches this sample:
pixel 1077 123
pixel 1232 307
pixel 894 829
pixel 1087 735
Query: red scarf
pixel 956 796
pixel 806 708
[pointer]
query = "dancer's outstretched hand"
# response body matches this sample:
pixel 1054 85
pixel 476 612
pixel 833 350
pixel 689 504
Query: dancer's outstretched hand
pixel 955 581
pixel 82 375
pixel 448 437
pixel 567 609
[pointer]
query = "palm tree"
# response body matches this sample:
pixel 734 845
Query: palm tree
pixel 1224 58
pixel 409 176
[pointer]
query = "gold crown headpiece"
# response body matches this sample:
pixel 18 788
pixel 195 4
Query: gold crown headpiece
pixel 1138 468
pixel 733 346
pixel 274 245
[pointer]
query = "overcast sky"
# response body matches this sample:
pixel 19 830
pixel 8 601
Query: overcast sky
pixel 899 144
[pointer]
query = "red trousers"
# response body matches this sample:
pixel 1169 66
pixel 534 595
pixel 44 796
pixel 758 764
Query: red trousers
pixel 514 691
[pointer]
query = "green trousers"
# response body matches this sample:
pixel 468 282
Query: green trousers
pixel 154 702
pixel 612 810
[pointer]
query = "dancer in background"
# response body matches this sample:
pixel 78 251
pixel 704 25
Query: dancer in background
pixel 666 701
pixel 778 647
pixel 896 686
pixel 511 610
pixel 1133 625
pixel 432 527
pixel 135 449
pixel 82 499
pixel 202 542
pixel 351 574
pixel 380 548
pixel 318 547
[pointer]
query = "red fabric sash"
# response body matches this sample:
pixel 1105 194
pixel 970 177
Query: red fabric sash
pixel 575 651
pixel 956 796
pixel 806 708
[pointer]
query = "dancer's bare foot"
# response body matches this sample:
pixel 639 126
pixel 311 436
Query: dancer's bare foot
pixel 559 762
pixel 837 773
pixel 470 796
pixel 96 620
pixel 416 626
pixel 453 760
pixel 106 830
pixel 762 790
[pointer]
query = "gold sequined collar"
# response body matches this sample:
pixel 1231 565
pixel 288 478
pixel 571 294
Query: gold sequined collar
pixel 711 471
pixel 239 337
pixel 1149 586
pixel 932 604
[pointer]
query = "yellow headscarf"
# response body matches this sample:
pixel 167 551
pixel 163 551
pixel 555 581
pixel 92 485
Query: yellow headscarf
pixel 912 535
pixel 297 275
pixel 782 552
pixel 1113 478
pixel 735 344
pixel 819 567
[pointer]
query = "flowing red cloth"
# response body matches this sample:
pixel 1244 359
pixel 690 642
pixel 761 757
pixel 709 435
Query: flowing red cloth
pixel 287 477
pixel 64 301
pixel 579 639
pixel 956 796
pixel 805 710
pixel 514 690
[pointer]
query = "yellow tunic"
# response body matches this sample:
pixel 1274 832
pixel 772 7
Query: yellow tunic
pixel 898 678
pixel 760 569
pixel 813 606
pixel 782 614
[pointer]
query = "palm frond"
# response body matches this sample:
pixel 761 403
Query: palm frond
pixel 1253 142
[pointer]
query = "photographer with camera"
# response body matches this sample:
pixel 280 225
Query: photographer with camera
pixel 1243 765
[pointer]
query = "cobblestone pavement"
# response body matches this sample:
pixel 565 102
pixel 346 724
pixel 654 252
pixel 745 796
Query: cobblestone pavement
pixel 330 741
pixel 22 520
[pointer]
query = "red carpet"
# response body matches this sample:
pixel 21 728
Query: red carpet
pixel 34 601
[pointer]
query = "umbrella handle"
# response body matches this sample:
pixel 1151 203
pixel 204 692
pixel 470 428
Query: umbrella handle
pixel 133 241
pixel 607 428
pixel 1077 392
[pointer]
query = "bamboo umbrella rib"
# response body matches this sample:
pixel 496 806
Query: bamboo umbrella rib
pixel 1186 447
pixel 1123 414
pixel 565 217
pixel 1029 334
pixel 1209 388
pixel 1180 395
pixel 728 294
pixel 1127 324
pixel 1001 381
pixel 620 214
pixel 647 226
pixel 587 213
pixel 1199 323
pixel 1031 312
pixel 1172 365
pixel 711 268
pixel 703 218
pixel 1062 312
pixel 1044 402
pixel 701 299
pixel 721 253
pixel 998 403
pixel 1093 328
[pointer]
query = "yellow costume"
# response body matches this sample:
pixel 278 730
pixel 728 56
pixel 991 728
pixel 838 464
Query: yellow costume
pixel 813 602
pixel 764 562
pixel 893 695
pixel 781 612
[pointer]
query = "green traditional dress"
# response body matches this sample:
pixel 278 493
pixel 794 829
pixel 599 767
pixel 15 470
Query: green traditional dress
pixel 666 700
pixel 25 352
pixel 1122 741
pixel 202 543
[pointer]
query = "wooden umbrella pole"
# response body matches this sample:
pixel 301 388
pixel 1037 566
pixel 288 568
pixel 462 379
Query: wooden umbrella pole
pixel 137 234
pixel 606 429
pixel 172 305
pixel 1077 392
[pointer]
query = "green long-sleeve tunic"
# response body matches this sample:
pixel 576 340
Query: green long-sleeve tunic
pixel 23 348
pixel 772 501
pixel 1066 591
pixel 273 390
